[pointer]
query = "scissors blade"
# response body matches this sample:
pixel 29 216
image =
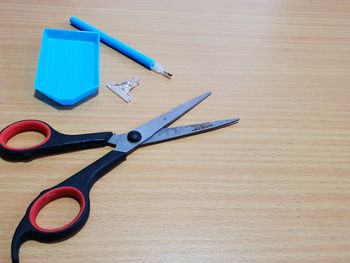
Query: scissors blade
pixel 167 134
pixel 148 129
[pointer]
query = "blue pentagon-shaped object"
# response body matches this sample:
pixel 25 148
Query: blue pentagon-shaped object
pixel 68 69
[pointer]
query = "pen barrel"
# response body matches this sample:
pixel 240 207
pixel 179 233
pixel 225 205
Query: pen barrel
pixel 117 45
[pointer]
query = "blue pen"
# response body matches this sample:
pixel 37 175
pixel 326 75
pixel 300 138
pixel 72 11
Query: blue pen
pixel 135 55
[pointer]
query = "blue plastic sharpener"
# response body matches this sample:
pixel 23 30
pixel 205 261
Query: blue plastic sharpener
pixel 68 68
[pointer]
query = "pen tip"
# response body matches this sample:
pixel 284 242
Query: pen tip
pixel 167 74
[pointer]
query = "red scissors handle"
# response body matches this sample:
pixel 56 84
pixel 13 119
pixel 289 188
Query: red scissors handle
pixel 77 187
pixel 53 143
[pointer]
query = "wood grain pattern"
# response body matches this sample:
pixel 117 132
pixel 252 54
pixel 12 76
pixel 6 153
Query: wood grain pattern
pixel 274 188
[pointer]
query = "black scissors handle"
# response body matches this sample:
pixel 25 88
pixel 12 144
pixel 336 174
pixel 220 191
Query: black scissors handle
pixel 54 141
pixel 77 187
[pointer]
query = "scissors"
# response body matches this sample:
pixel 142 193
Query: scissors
pixel 79 185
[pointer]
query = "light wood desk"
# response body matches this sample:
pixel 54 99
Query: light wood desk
pixel 274 188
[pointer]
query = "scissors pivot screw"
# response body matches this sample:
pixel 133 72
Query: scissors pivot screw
pixel 134 136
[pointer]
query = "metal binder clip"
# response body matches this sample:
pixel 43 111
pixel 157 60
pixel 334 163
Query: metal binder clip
pixel 123 89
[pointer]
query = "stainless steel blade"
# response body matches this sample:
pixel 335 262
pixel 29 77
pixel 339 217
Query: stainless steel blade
pixel 148 129
pixel 167 134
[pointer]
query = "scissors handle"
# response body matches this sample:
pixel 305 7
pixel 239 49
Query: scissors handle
pixel 76 187
pixel 54 141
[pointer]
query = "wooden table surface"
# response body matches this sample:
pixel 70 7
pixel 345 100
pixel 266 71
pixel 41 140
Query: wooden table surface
pixel 274 188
